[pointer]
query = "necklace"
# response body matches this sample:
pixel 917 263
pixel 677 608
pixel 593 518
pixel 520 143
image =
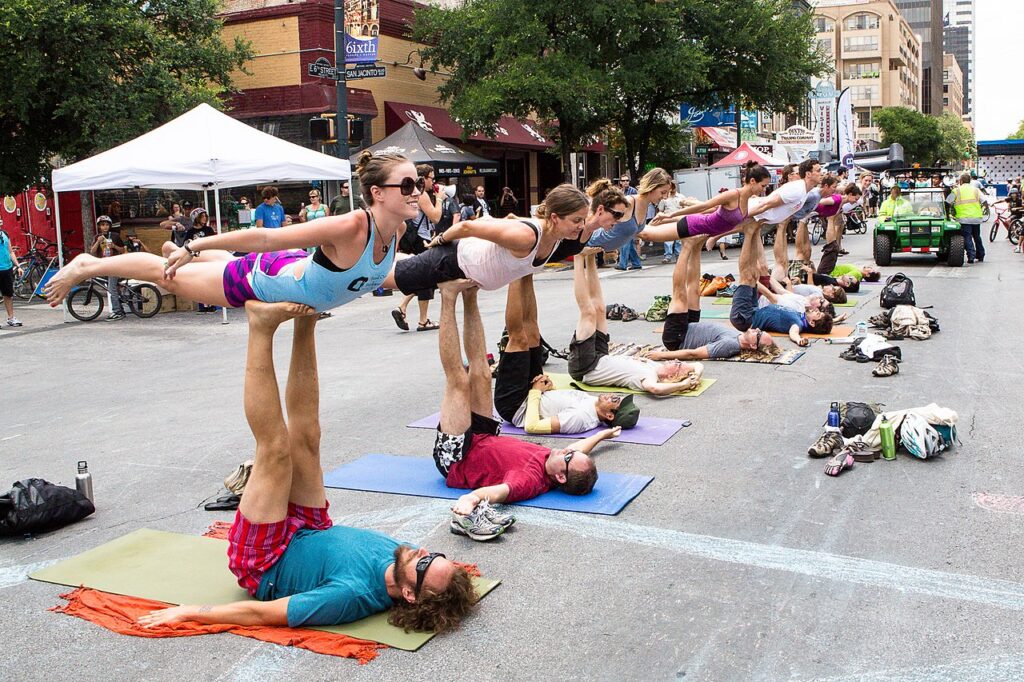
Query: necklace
pixel 385 247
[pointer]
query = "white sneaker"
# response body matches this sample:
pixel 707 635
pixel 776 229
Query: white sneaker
pixel 13 322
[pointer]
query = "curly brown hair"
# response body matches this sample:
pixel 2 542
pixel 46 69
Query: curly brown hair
pixel 437 611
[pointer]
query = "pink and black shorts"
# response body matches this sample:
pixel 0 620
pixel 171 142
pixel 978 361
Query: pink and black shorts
pixel 238 289
pixel 254 547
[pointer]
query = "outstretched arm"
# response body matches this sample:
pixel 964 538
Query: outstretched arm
pixel 681 354
pixel 495 494
pixel 588 444
pixel 511 234
pixel 237 613
pixel 702 207
pixel 794 336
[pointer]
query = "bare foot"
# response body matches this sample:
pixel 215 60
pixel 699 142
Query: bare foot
pixel 590 251
pixel 271 315
pixel 456 285
pixel 57 289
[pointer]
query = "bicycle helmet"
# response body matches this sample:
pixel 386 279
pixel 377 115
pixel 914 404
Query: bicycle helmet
pixel 104 219
pixel 919 437
pixel 196 212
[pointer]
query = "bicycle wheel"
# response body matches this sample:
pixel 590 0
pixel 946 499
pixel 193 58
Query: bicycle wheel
pixel 1016 229
pixel 993 232
pixel 144 300
pixel 23 285
pixel 817 230
pixel 85 303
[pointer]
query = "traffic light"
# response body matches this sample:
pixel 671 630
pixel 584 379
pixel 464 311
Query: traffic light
pixel 355 130
pixel 321 129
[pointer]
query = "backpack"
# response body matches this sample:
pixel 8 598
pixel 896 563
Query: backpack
pixel 34 506
pixel 448 211
pixel 898 290
pixel 857 418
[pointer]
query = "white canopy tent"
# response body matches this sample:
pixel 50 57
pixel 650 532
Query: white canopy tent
pixel 202 149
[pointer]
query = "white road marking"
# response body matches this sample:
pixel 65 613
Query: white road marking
pixel 17 435
pixel 1009 668
pixel 15 575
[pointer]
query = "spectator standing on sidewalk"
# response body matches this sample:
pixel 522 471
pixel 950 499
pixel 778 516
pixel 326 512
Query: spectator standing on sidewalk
pixel 8 268
pixel 671 204
pixel 315 209
pixel 340 204
pixel 270 213
pixel 178 223
pixel 108 244
pixel 508 202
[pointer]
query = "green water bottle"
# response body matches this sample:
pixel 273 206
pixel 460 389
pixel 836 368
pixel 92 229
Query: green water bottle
pixel 888 439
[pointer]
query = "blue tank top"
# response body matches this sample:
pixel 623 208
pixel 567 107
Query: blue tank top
pixel 619 233
pixel 323 285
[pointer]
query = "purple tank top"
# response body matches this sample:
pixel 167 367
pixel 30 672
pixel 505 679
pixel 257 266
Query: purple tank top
pixel 714 224
pixel 829 211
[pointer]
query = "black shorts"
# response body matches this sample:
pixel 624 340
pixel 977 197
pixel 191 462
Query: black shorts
pixel 7 282
pixel 682 229
pixel 566 249
pixel 744 305
pixel 516 370
pixel 451 447
pixel 427 270
pixel 829 258
pixel 583 355
pixel 674 332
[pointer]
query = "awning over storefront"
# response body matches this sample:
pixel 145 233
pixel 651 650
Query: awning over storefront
pixel 440 123
pixel 419 146
pixel 719 137
pixel 290 100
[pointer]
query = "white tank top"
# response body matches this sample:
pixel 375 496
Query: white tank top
pixel 492 266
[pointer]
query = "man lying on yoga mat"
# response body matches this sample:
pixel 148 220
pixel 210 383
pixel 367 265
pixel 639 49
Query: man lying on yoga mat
pixel 282 545
pixel 531 402
pixel 468 450
pixel 589 360
pixel 807 298
pixel 710 341
pixel 746 314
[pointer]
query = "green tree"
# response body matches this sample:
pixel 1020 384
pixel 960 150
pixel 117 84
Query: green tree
pixel 668 146
pixel 957 143
pixel 84 76
pixel 918 133
pixel 1019 135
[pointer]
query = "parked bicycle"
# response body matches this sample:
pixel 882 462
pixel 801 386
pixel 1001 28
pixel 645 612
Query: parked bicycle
pixel 87 300
pixel 40 257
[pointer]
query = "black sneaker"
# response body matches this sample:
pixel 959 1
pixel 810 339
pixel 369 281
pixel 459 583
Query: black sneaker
pixel 115 316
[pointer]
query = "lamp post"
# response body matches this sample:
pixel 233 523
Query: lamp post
pixel 341 128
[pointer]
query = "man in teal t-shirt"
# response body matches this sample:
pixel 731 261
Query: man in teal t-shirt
pixel 283 547
pixel 8 267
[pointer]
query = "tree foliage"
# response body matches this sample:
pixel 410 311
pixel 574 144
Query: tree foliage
pixel 957 141
pixel 1019 135
pixel 84 76
pixel 584 65
pixel 918 133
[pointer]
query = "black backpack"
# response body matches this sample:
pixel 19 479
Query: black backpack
pixel 448 211
pixel 36 506
pixel 857 418
pixel 898 290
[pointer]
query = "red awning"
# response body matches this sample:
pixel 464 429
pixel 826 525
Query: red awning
pixel 439 122
pixel 719 137
pixel 307 98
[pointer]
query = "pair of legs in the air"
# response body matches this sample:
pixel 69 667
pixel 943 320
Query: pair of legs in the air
pixel 684 308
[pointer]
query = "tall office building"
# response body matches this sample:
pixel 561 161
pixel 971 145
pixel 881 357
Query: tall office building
pixel 925 18
pixel 958 40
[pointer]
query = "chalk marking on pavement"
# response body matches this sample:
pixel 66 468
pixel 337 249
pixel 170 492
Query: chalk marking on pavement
pixel 17 435
pixel 1001 504
pixel 833 567
pixel 978 670
pixel 164 466
pixel 15 575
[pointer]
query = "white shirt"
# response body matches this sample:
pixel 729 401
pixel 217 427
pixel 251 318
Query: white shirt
pixel 794 302
pixel 576 411
pixel 622 371
pixel 793 195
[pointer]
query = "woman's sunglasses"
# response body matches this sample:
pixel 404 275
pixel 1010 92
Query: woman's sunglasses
pixel 616 214
pixel 421 569
pixel 407 185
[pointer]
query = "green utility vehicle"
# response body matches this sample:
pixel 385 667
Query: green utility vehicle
pixel 923 223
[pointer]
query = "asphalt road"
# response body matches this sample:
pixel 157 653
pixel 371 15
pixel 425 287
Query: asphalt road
pixel 741 561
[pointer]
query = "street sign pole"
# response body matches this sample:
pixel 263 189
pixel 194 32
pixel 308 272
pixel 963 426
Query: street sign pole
pixel 341 122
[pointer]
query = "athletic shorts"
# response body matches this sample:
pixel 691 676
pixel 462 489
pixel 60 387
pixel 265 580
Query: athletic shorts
pixel 450 448
pixel 829 258
pixel 674 332
pixel 744 305
pixel 238 288
pixel 253 548
pixel 796 269
pixel 682 228
pixel 428 269
pixel 7 282
pixel 584 355
pixel 516 370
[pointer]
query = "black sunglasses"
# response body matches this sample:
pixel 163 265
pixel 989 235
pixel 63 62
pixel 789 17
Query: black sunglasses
pixel 421 568
pixel 567 457
pixel 616 214
pixel 757 339
pixel 407 185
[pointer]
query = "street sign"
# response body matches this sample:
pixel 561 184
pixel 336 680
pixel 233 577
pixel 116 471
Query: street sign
pixel 322 68
pixel 369 71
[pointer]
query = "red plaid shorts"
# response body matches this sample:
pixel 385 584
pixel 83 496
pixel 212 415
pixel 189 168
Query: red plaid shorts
pixel 254 547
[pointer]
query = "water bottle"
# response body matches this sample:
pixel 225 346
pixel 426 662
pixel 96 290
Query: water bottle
pixel 861 330
pixel 833 417
pixel 83 480
pixel 885 430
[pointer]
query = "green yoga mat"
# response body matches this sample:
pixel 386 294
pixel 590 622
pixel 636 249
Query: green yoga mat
pixel 850 302
pixel 714 314
pixel 564 381
pixel 188 569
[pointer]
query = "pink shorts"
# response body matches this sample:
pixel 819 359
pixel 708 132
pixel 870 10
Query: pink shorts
pixel 254 547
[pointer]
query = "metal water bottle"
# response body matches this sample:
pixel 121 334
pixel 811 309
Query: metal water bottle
pixel 888 436
pixel 861 329
pixel 83 480
pixel 833 417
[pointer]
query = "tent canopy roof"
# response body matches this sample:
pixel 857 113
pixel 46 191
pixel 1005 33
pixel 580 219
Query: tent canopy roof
pixel 200 149
pixel 420 146
pixel 744 153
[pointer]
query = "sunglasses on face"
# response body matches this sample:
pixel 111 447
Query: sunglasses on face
pixel 567 457
pixel 615 213
pixel 407 185
pixel 757 339
pixel 421 568
pixel 314 196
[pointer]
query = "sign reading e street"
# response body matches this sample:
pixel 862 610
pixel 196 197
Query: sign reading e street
pixel 322 68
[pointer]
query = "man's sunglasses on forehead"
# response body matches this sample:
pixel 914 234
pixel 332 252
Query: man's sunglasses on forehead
pixel 421 568
pixel 407 185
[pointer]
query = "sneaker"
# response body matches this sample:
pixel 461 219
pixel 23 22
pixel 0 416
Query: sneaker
pixel 115 316
pixel 13 322
pixel 854 354
pixel 496 517
pixel 666 259
pixel 826 444
pixel 888 366
pixel 475 526
pixel 236 481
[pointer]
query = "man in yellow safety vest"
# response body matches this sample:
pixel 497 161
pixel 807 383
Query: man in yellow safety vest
pixel 966 202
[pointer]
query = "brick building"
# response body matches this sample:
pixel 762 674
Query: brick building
pixel 279 97
pixel 952 86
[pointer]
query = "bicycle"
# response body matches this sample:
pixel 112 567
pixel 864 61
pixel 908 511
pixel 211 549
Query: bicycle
pixel 86 302
pixel 42 254
pixel 816 227
pixel 1014 224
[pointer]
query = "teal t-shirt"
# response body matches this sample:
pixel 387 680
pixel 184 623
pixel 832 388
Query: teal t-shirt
pixel 852 270
pixel 333 576
pixel 5 252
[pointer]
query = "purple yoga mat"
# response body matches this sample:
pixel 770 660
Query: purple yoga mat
pixel 648 430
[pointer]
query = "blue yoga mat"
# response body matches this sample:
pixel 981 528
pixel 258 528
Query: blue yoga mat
pixel 402 475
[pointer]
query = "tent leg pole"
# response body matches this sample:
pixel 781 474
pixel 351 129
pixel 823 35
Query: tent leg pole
pixel 60 247
pixel 216 209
